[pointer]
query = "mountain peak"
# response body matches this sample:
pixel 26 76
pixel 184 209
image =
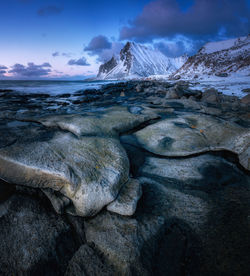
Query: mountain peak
pixel 137 60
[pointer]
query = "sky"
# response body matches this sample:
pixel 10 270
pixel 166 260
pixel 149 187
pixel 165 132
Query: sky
pixel 69 39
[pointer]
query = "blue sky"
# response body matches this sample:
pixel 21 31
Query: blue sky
pixel 70 38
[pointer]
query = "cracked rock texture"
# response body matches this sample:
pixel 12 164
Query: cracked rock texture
pixel 155 182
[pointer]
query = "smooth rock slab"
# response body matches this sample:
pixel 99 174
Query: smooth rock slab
pixel 110 122
pixel 90 171
pixel 191 134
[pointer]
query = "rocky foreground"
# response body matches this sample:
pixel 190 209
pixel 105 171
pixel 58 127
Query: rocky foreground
pixel 138 178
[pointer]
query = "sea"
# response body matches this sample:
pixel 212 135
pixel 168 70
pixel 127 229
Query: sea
pixel 233 87
pixel 50 87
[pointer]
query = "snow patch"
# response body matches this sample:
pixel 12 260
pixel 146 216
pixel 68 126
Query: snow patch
pixel 212 47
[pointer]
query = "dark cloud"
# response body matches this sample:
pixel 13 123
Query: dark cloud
pixel 171 49
pixel 166 18
pixel 107 54
pixel 31 70
pixel 178 46
pixel 97 44
pixel 49 10
pixel 57 54
pixel 80 62
pixel 3 70
pixel 2 73
pixel 103 48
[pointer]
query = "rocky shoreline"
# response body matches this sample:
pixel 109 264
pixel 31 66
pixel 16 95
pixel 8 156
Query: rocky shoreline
pixel 137 178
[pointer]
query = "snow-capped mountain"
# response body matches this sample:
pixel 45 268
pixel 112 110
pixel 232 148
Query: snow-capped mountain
pixel 223 58
pixel 137 61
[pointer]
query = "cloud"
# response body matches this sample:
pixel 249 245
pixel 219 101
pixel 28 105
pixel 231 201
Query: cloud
pixel 166 18
pixel 171 49
pixel 3 70
pixel 45 64
pixel 2 73
pixel 103 48
pixel 49 10
pixel 57 54
pixel 80 62
pixel 107 54
pixel 31 70
pixel 178 46
pixel 97 44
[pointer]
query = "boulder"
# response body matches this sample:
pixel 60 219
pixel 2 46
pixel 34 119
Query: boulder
pixel 87 262
pixel 189 134
pixel 181 89
pixel 34 240
pixel 246 100
pixel 210 95
pixel 109 123
pixel 172 93
pixel 117 239
pixel 90 171
pixel 126 202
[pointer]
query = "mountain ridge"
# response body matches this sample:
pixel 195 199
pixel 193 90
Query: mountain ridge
pixel 221 59
pixel 136 61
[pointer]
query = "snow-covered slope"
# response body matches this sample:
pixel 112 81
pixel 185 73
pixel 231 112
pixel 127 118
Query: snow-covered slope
pixel 212 47
pixel 223 58
pixel 137 61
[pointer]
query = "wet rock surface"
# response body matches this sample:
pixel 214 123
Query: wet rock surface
pixel 138 178
pixel 33 238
